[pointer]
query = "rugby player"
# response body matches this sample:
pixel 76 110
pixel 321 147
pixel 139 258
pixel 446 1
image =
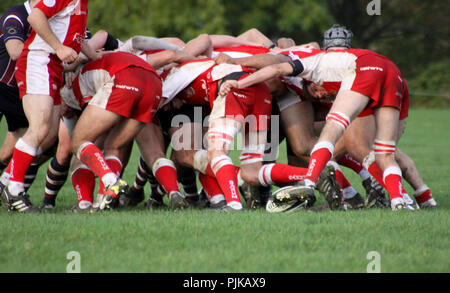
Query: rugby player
pixel 358 76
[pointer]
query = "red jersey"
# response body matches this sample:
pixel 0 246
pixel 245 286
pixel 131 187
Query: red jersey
pixel 328 68
pixel 95 74
pixel 67 19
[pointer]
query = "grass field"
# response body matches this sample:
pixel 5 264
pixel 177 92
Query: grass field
pixel 204 241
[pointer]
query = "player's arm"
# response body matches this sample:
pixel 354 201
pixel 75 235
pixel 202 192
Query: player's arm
pixel 291 68
pixel 166 57
pixel 14 36
pixel 257 61
pixel 89 52
pixel 39 22
pixel 14 48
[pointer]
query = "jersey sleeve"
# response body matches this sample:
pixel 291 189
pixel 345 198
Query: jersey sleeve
pixel 13 28
pixel 52 7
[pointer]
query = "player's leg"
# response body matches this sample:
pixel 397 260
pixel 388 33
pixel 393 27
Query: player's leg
pixel 57 169
pixel 83 181
pixel 422 192
pixel 347 106
pixel 92 123
pixel 39 110
pixel 386 119
pixel 297 121
pixel 152 146
pixel 220 136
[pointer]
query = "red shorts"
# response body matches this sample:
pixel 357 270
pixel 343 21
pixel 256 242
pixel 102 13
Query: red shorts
pixel 135 93
pixel 379 79
pixel 39 73
pixel 252 105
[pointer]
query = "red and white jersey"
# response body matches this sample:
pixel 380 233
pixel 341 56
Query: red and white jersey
pixel 327 68
pixel 195 80
pixel 240 51
pixel 96 74
pixel 67 20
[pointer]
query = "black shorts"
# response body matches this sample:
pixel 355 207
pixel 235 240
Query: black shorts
pixel 11 107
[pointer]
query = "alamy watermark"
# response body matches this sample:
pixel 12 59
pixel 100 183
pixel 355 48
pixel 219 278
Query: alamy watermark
pixel 374 266
pixel 74 266
pixel 193 138
pixel 374 8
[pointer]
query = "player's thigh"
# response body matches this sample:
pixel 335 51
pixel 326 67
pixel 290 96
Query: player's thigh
pixel 151 143
pixel 122 133
pixel 350 103
pixel 387 123
pixel 359 136
pixel 38 110
pixel 92 123
pixel 298 123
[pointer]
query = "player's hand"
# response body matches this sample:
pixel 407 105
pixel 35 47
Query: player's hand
pixel 176 103
pixel 223 58
pixel 227 86
pixel 69 77
pixel 66 54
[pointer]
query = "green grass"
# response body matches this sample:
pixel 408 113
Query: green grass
pixel 253 241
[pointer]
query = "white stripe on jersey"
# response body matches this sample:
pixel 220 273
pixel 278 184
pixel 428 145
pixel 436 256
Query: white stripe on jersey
pixel 15 17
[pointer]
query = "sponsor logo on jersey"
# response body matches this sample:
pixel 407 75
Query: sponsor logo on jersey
pixel 12 31
pixel 78 38
pixel 49 3
pixel 126 87
pixel 240 95
pixel 375 68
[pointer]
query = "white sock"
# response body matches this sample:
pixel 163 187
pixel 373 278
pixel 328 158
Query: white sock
pixel 349 192
pixel 84 204
pixel 217 198
pixel 4 179
pixel 109 179
pixel 16 187
pixel 235 205
pixel 364 174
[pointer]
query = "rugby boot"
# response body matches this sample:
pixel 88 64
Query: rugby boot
pixel 329 188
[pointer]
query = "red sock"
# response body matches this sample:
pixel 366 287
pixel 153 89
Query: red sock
pixel 166 174
pixel 92 157
pixel 280 174
pixel 376 173
pixel 320 156
pixel 210 185
pixel 424 196
pixel 116 167
pixel 226 175
pixel 341 180
pixel 393 181
pixel 83 181
pixel 22 158
pixel 351 163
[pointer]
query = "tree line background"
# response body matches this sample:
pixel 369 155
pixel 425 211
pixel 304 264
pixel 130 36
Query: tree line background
pixel 413 33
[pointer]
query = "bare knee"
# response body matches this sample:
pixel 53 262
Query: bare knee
pixel 250 177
